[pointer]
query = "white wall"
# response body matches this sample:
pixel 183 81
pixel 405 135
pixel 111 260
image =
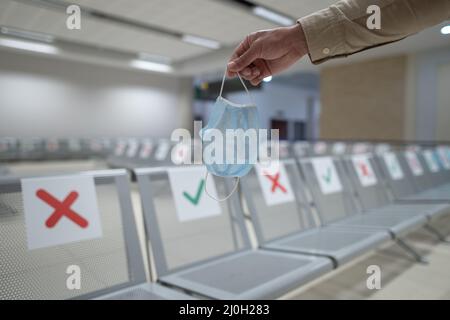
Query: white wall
pixel 443 103
pixel 44 97
pixel 427 66
pixel 279 99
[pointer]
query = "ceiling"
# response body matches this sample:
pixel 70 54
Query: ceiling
pixel 154 27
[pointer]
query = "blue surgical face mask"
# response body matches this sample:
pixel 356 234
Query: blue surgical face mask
pixel 226 117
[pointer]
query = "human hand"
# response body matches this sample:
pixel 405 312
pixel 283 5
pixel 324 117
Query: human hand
pixel 268 52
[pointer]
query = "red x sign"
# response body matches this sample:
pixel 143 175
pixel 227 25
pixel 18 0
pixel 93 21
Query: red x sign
pixel 61 208
pixel 364 169
pixel 275 183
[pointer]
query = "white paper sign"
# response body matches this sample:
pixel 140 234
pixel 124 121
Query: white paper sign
pixel 275 186
pixel 181 154
pixel 326 174
pixel 364 170
pixel 146 149
pixel 339 148
pixel 120 148
pixel 442 154
pixel 60 210
pixel 414 163
pixel 52 145
pixel 133 146
pixel 188 189
pixel 162 150
pixel 431 161
pixel 320 148
pixel 393 166
pixel 284 149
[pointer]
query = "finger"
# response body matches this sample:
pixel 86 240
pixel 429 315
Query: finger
pixel 240 50
pixel 250 73
pixel 245 60
pixel 257 80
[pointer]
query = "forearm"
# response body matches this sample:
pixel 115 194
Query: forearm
pixel 341 29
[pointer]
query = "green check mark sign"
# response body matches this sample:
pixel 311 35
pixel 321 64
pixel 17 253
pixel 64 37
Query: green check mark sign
pixel 327 176
pixel 194 200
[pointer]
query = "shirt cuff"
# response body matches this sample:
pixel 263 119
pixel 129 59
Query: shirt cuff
pixel 324 33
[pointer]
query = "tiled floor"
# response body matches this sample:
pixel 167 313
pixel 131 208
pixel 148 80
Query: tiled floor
pixel 401 277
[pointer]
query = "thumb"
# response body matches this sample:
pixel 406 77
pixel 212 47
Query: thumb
pixel 245 60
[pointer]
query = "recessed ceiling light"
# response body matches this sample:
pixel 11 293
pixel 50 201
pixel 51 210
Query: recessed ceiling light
pixel 445 30
pixel 272 16
pixel 267 79
pixel 199 41
pixel 29 46
pixel 154 58
pixel 27 34
pixel 151 66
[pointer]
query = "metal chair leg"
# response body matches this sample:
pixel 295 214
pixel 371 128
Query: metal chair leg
pixel 437 233
pixel 411 251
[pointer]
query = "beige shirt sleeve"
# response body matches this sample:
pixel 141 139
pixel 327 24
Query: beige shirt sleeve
pixel 341 29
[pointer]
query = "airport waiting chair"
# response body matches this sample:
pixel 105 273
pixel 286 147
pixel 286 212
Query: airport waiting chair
pixel 437 173
pixel 372 194
pixel 340 197
pixel 422 179
pixel 339 149
pixel 398 178
pixel 125 154
pixel 8 149
pixel 144 153
pixel 31 149
pixel 283 220
pixel 320 148
pixel 202 246
pixel 301 149
pixel 111 266
pixel 3 170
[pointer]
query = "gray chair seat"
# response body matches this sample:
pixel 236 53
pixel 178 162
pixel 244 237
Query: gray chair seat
pixel 397 224
pixel 255 274
pixel 430 210
pixel 342 245
pixel 148 291
pixel 436 194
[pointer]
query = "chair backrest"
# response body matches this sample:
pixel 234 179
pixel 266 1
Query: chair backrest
pixel 8 149
pixel 162 154
pixel 276 200
pixel 361 147
pixel 442 157
pixel 395 175
pixel 3 170
pixel 414 166
pixel 37 259
pixel 366 181
pixel 432 167
pixel 301 149
pixel 184 225
pixel 320 149
pixel 329 187
pixel 339 148
pixel 31 149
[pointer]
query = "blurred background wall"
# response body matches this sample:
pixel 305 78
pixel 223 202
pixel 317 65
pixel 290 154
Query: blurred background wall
pixel 46 97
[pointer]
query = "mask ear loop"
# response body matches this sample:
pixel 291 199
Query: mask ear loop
pixel 243 84
pixel 218 199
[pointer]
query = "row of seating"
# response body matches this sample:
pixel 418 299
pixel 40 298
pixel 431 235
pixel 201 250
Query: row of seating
pixel 141 153
pixel 34 149
pixel 310 216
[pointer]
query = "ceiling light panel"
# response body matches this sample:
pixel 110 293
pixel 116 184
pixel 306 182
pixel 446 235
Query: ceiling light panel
pixel 295 8
pixel 216 20
pixel 94 32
